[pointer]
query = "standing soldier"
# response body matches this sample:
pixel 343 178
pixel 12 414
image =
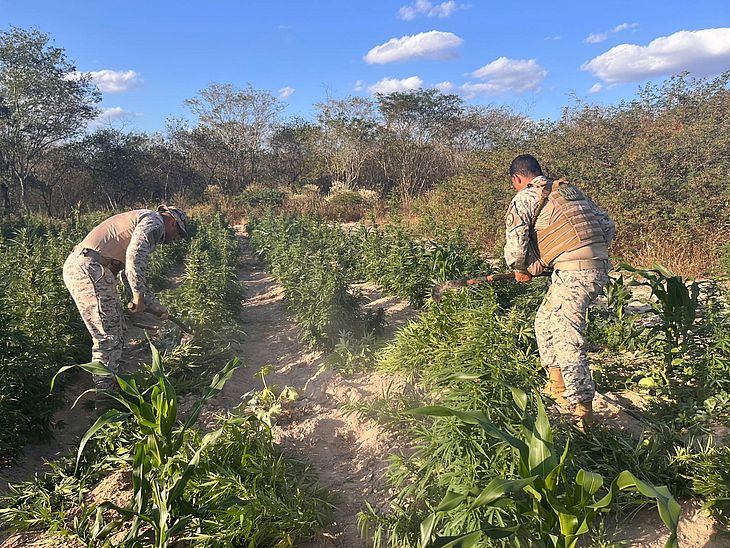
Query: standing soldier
pixel 552 224
pixel 121 244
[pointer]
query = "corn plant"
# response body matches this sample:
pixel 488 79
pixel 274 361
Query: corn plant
pixel 676 304
pixel 161 469
pixel 550 508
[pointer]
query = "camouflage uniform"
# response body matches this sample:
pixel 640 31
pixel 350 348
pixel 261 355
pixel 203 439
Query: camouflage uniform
pixel 560 320
pixel 89 274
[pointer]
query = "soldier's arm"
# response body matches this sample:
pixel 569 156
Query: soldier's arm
pixel 147 234
pixel 517 223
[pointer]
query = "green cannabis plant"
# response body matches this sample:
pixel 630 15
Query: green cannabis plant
pixel 550 509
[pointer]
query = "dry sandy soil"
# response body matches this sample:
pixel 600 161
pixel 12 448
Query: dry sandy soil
pixel 348 453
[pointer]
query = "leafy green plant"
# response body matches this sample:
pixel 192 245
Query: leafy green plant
pixel 403 265
pixel 266 404
pixel 676 304
pixel 262 197
pixel 41 329
pixel 551 509
pixel 161 469
pixel 344 206
pixel 707 467
pixel 210 293
pixel 315 262
pixel 352 354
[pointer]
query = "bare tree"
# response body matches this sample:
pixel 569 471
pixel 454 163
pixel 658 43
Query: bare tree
pixel 241 120
pixel 347 138
pixel 47 101
pixel 417 123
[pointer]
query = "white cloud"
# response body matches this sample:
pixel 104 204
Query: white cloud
pixel 553 38
pixel 391 85
pixel 425 45
pixel 115 81
pixel 286 92
pixel 426 8
pixel 359 86
pixel 596 37
pixel 444 87
pixel 505 74
pixel 625 26
pixel 285 27
pixel 595 88
pixel 701 52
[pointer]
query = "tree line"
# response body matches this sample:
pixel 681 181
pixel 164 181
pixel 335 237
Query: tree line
pixel 658 162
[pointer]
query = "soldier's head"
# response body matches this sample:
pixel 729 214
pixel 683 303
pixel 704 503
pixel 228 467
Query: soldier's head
pixel 523 170
pixel 176 222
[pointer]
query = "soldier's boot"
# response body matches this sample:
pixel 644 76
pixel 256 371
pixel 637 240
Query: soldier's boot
pixel 555 387
pixel 583 415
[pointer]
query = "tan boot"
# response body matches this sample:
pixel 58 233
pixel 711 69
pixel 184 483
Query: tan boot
pixel 583 415
pixel 556 386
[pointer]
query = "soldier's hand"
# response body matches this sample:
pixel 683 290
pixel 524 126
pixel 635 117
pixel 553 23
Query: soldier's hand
pixel 523 277
pixel 136 306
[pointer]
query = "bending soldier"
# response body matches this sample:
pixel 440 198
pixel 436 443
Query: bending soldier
pixel 552 224
pixel 120 244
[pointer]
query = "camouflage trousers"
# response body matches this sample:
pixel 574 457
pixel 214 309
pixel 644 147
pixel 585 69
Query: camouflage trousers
pixel 559 326
pixel 93 288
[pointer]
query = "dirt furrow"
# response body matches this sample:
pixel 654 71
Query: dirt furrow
pixel 348 454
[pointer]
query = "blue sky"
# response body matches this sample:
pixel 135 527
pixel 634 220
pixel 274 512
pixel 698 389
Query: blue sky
pixel 535 57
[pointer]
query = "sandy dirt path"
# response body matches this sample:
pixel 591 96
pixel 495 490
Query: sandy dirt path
pixel 348 454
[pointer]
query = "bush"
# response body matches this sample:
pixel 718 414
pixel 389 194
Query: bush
pixel 265 197
pixel 344 206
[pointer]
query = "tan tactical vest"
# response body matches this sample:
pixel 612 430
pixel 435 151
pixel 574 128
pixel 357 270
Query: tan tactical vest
pixel 111 238
pixel 566 222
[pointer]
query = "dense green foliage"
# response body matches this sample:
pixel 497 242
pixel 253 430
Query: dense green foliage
pixel 209 295
pixel 230 485
pixel 315 263
pixel 543 506
pixel 463 353
pixel 397 262
pixel 41 329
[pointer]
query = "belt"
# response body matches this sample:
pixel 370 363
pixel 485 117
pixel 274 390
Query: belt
pixel 112 264
pixel 582 264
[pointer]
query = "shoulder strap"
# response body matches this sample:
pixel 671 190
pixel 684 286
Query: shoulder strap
pixel 544 195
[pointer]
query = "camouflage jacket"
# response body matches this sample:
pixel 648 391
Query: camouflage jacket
pixel 148 234
pixel 519 230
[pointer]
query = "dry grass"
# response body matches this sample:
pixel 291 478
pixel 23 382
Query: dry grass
pixel 691 259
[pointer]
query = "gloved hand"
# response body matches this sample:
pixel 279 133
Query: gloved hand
pixel 137 305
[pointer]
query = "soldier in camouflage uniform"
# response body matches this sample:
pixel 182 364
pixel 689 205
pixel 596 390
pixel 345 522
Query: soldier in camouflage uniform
pixel 120 245
pixel 553 225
